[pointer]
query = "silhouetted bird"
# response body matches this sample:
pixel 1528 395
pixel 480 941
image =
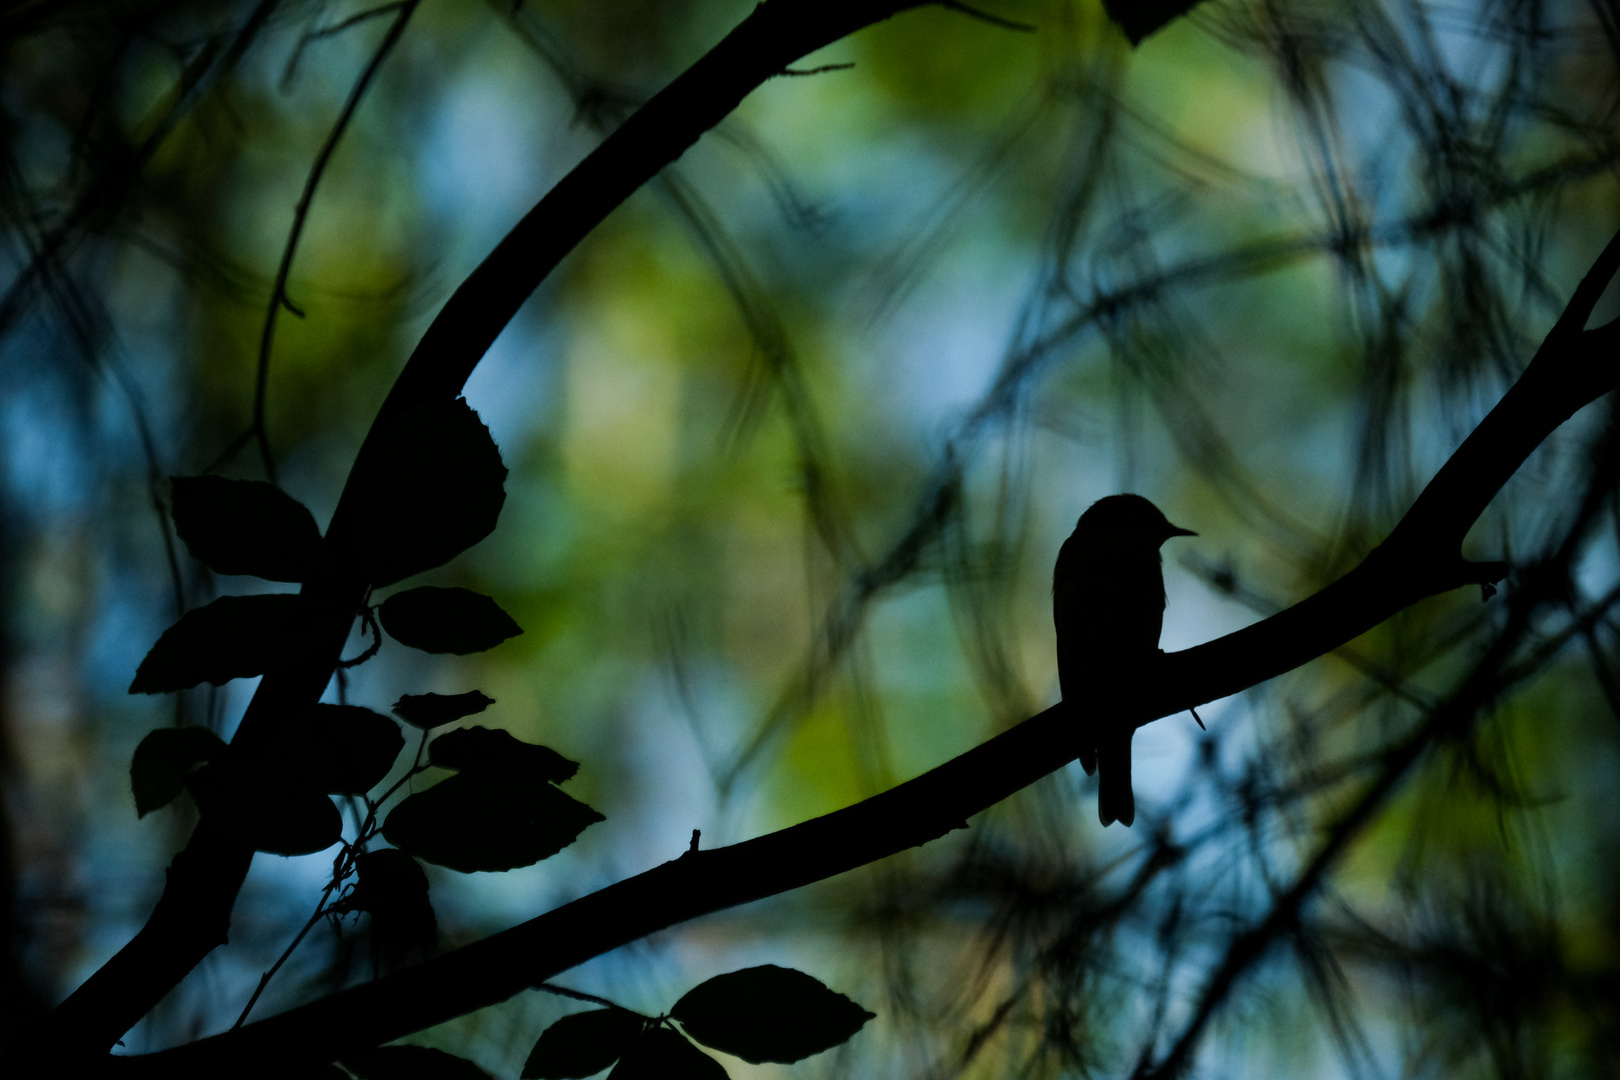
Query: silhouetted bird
pixel 1108 606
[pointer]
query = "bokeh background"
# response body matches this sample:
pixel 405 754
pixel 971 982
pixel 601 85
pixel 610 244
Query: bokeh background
pixel 794 438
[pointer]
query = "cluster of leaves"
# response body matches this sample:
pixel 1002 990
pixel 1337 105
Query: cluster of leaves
pixel 499 779
pixel 430 487
pixel 273 801
pixel 499 811
pixel 759 1014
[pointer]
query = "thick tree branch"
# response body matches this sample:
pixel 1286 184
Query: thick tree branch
pixel 205 877
pixel 1420 559
pixel 1423 555
pixel 1573 368
pixel 1491 676
pixel 762 46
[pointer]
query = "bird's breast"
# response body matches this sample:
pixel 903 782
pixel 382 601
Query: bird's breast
pixel 1108 603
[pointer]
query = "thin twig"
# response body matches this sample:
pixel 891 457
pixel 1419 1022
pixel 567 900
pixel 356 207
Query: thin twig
pixel 232 448
pixel 1600 670
pixel 264 980
pixel 1488 680
pixel 110 188
pixel 331 31
pixel 343 865
pixel 368 621
pixel 985 16
pixel 816 70
pixel 278 291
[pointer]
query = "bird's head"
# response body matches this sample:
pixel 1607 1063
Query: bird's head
pixel 1127 521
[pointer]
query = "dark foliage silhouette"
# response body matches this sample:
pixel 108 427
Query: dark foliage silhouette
pixel 429 711
pixel 760 1014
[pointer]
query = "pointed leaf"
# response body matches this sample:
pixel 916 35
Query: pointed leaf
pixel 251 806
pixel 394 891
pixel 1139 18
pixel 446 620
pixel 429 487
pixel 388 878
pixel 346 750
pixel 768 1013
pixel 235 637
pixel 489 752
pixel 246 527
pixel 582 1044
pixel 412 1063
pixel 428 711
pixel 661 1054
pixel 474 822
pixel 164 759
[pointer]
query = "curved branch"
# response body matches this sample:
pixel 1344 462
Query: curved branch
pixel 761 47
pixel 1572 368
pixel 1423 554
pixel 204 879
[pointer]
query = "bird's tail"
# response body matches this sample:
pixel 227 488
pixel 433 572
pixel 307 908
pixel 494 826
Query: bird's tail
pixel 1115 800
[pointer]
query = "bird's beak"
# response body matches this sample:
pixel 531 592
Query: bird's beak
pixel 1176 530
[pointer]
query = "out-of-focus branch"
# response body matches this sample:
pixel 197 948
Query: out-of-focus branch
pixel 278 290
pixel 1423 555
pixel 111 186
pixel 1420 559
pixel 204 879
pixel 1490 677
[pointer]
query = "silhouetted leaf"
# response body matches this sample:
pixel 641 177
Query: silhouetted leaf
pixel 1139 18
pixel 412 1063
pixel 388 877
pixel 164 759
pixel 329 749
pixel 477 822
pixel 234 637
pixel 428 711
pixel 661 1054
pixel 394 891
pixel 582 1044
pixel 246 527
pixel 430 487
pixel 489 751
pixel 768 1013
pixel 347 750
pixel 257 809
pixel 441 620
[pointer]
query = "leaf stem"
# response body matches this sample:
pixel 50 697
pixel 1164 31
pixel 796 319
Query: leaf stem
pixel 315 917
pixel 343 865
